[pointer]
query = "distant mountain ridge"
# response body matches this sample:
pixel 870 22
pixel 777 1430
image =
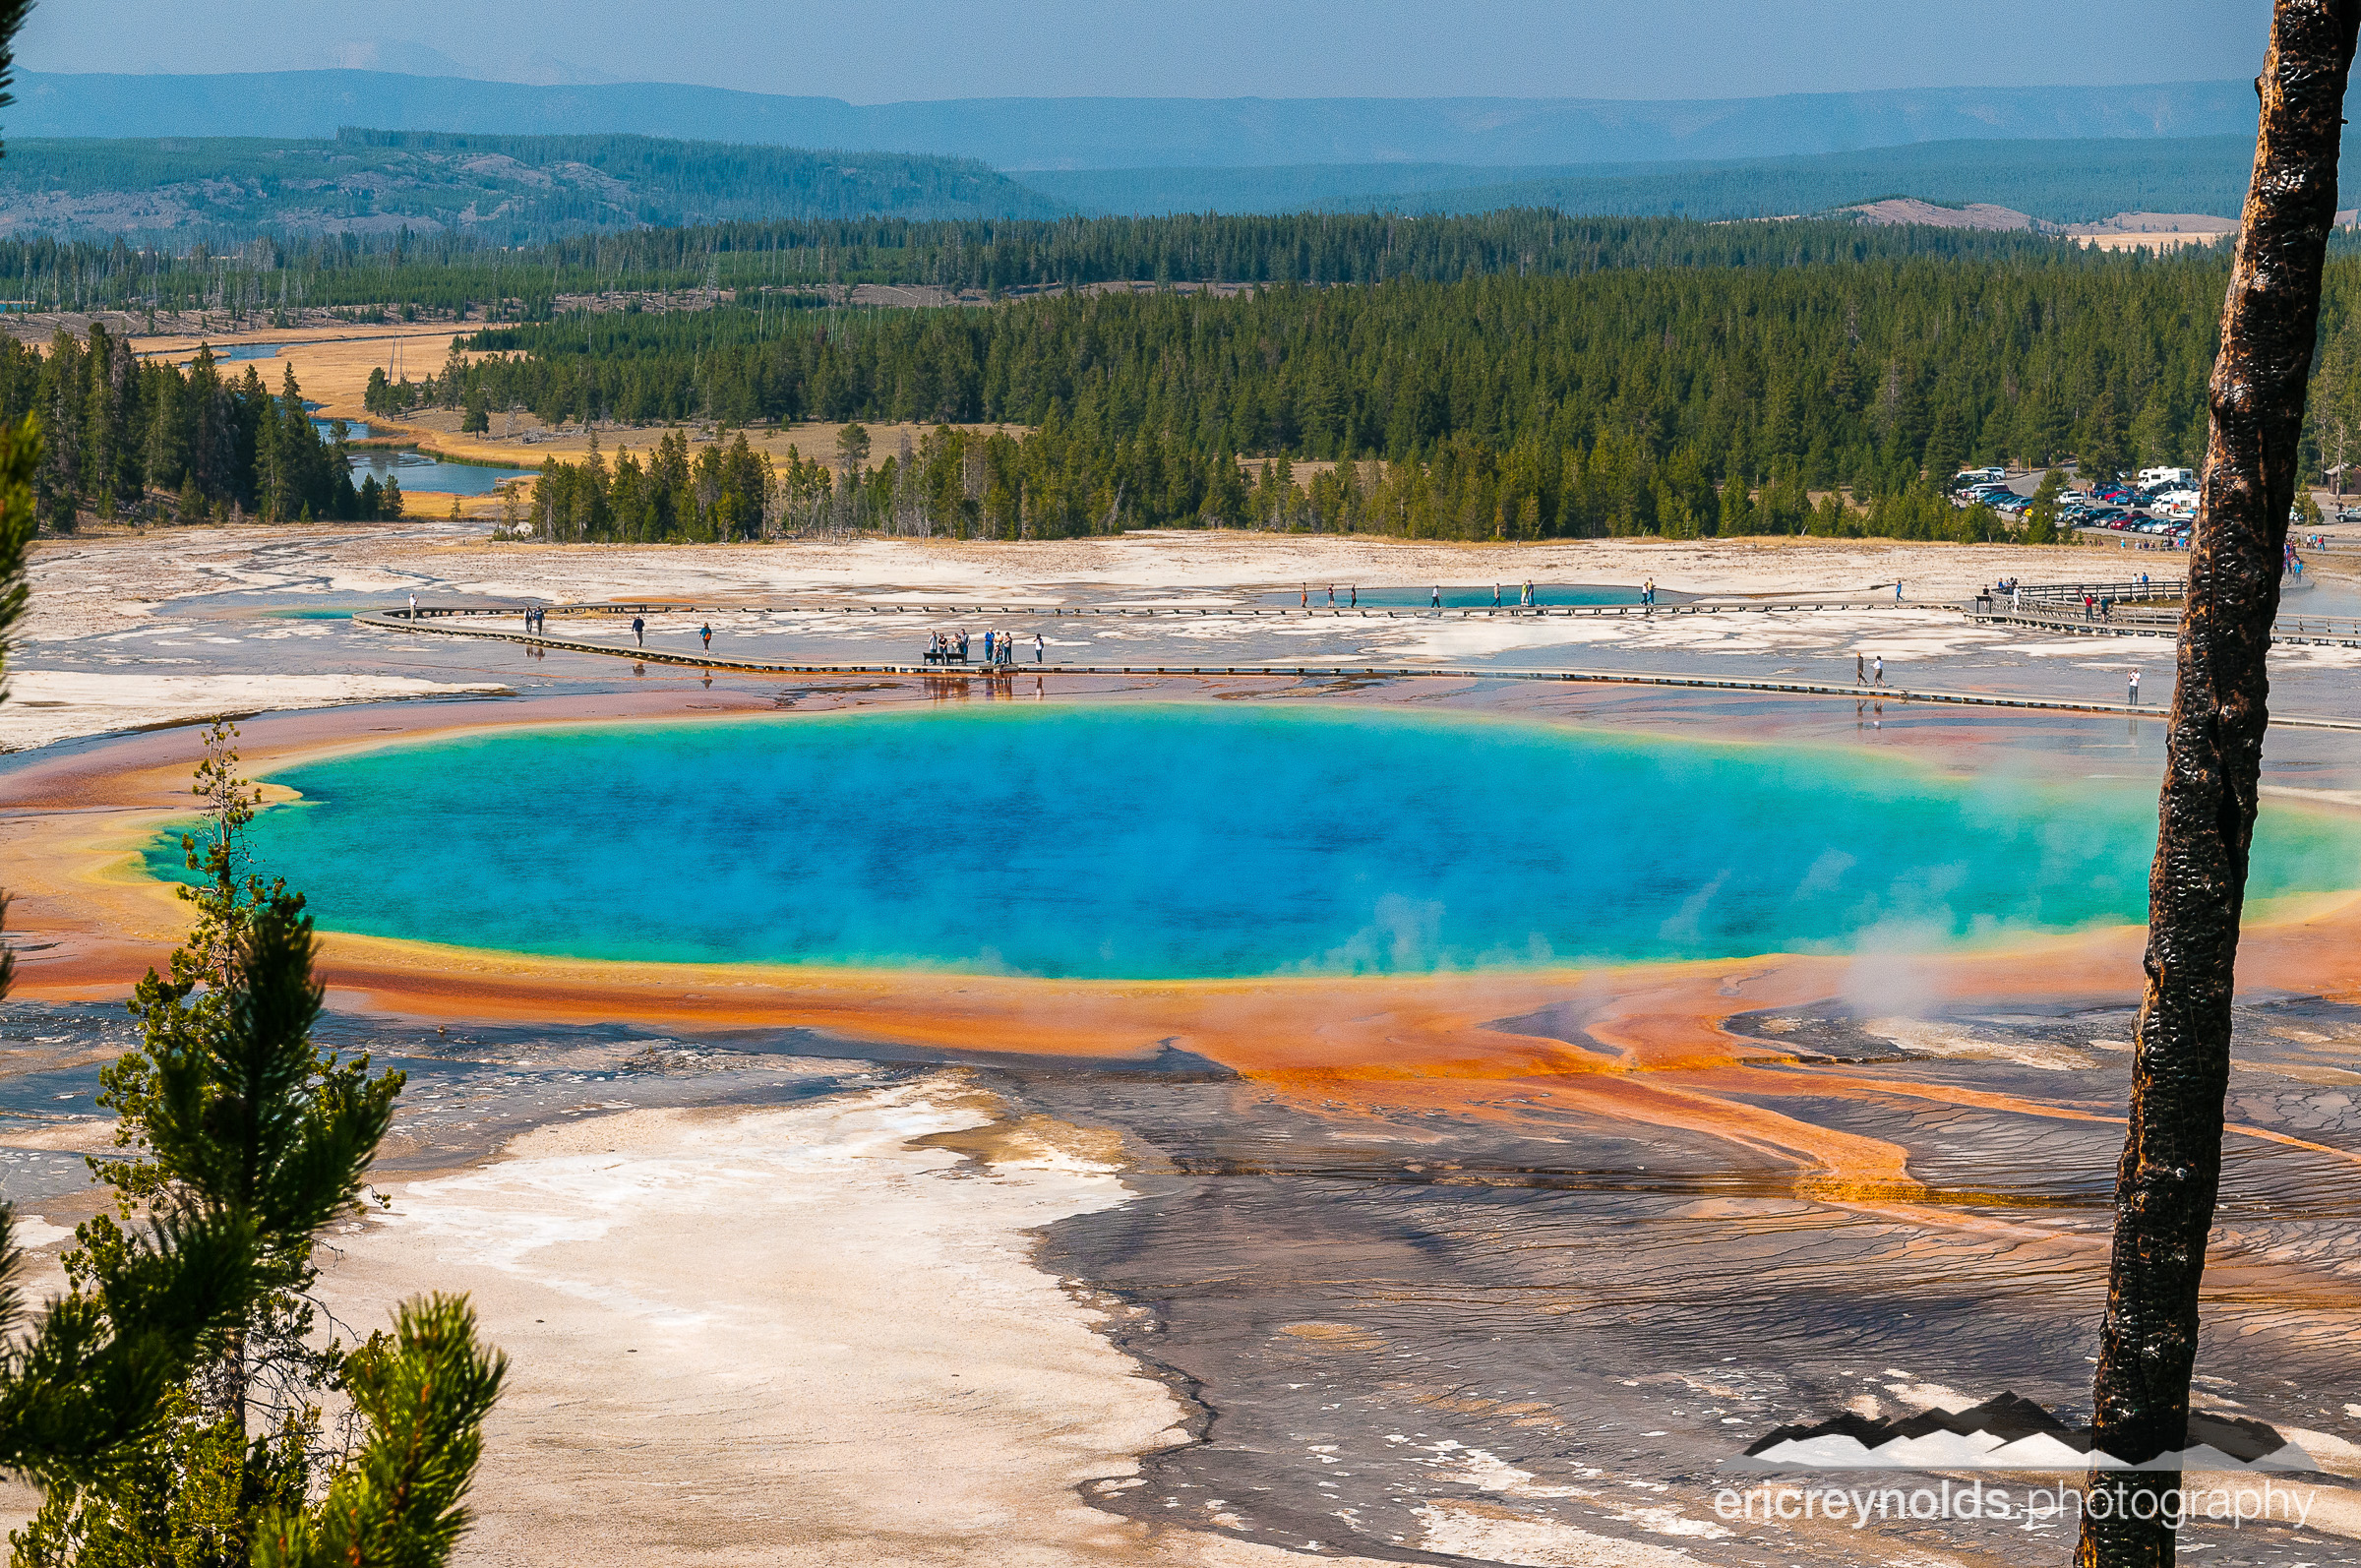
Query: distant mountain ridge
pixel 1027 134
pixel 508 190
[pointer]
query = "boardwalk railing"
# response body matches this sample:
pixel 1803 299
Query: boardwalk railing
pixel 2316 630
pixel 1191 612
pixel 2048 596
pixel 423 623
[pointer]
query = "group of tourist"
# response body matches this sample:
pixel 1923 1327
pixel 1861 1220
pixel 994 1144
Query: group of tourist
pixel 532 620
pixel 999 647
pixel 2096 606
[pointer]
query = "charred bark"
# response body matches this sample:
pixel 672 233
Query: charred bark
pixel 2171 1168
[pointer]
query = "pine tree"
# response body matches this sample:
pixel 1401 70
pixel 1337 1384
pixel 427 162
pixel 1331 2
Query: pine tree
pixel 230 1115
pixel 2336 400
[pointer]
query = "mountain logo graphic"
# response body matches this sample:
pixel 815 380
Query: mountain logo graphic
pixel 2008 1432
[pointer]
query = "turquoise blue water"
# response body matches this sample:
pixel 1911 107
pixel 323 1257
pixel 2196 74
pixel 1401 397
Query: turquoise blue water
pixel 1203 840
pixel 421 472
pixel 1462 597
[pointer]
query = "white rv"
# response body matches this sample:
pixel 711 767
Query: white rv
pixel 2178 479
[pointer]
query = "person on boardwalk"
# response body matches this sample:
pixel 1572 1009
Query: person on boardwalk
pixel 1898 590
pixel 1355 604
pixel 414 607
pixel 1495 596
pixel 706 631
pixel 2134 698
pixel 1877 667
pixel 1437 602
pixel 1306 602
pixel 1861 671
pixel 988 646
pixel 1037 647
pixel 1332 596
pixel 640 631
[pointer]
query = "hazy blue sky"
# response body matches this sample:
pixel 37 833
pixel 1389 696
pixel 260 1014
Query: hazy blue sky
pixel 887 49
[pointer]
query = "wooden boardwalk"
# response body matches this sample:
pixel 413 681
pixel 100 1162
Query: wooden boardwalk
pixel 1236 612
pixel 439 623
pixel 2321 632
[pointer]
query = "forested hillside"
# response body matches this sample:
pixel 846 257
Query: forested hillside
pixel 1614 402
pixel 445 272
pixel 1851 371
pixel 501 190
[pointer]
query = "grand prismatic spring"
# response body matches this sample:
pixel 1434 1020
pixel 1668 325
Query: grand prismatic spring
pixel 1215 1121
pixel 1169 841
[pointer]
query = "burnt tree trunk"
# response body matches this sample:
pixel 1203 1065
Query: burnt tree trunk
pixel 2172 1165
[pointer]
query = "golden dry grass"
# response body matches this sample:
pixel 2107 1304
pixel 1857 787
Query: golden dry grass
pixel 2143 242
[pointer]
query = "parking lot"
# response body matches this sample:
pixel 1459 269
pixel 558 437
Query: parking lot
pixel 2153 511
